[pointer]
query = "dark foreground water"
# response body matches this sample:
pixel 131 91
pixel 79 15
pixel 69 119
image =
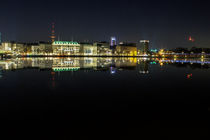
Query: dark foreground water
pixel 52 95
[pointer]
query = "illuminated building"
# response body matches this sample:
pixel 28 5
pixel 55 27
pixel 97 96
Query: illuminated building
pixel 7 46
pixel 16 48
pixel 1 48
pixel 103 48
pixel 36 49
pixel 113 41
pixel 154 50
pixel 42 49
pixel 126 49
pixel 65 48
pixel 144 46
pixel 113 44
pixel 21 49
pixel 88 49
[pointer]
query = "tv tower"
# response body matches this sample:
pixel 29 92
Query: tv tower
pixel 53 33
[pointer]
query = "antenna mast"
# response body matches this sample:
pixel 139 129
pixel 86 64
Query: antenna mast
pixel 52 37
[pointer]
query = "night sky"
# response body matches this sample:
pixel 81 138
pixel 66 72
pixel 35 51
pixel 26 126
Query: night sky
pixel 167 24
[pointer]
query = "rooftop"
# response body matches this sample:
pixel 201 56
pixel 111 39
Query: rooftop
pixel 65 43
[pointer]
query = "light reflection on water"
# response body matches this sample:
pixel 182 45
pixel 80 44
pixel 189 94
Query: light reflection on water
pixel 61 70
pixel 95 63
pixel 71 88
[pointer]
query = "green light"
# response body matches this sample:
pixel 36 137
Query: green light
pixel 154 50
pixel 65 43
pixel 66 69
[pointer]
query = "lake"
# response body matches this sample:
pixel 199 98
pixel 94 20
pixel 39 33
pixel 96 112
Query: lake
pixel 106 92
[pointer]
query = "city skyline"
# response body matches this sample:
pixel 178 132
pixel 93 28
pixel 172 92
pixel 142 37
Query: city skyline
pixel 165 24
pixel 105 64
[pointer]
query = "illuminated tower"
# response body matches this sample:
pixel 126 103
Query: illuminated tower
pixel 52 37
pixel 144 46
pixel 113 41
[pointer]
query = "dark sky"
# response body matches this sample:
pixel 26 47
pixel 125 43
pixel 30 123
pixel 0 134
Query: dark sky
pixel 167 24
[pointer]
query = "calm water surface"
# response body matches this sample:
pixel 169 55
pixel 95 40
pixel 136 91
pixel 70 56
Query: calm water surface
pixel 106 92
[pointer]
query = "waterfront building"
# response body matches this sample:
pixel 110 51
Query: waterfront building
pixel 113 44
pixel 65 48
pixel 6 46
pixel 70 48
pixel 113 41
pixel 144 46
pixel 16 48
pixel 88 49
pixel 103 48
pixel 42 48
pixel 126 49
pixel 37 50
pixel 21 49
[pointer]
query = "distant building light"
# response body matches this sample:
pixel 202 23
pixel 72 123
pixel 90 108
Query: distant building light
pixel 65 68
pixel 144 41
pixel 154 50
pixel 113 41
pixel 65 43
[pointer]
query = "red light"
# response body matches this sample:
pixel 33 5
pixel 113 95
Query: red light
pixel 191 39
pixel 53 73
pixel 189 76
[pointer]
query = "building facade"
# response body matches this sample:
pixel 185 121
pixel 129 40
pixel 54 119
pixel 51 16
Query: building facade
pixel 66 48
pixel 21 49
pixel 88 49
pixel 42 49
pixel 128 49
pixel 144 46
pixel 113 41
pixel 7 46
pixel 103 48
pixel 16 48
pixel 70 48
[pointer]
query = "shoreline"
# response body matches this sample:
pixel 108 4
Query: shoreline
pixel 149 57
pixel 173 56
pixel 194 56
